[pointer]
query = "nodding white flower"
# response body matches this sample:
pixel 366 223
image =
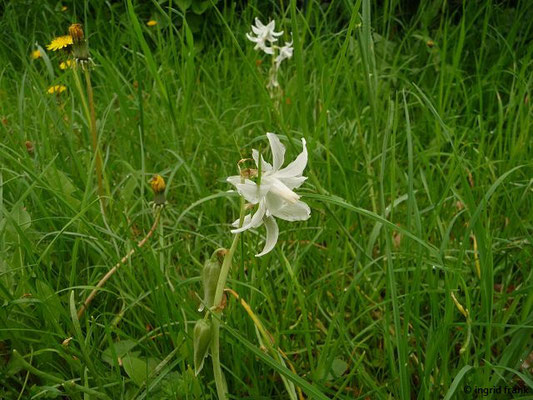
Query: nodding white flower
pixel 285 52
pixel 274 195
pixel 264 34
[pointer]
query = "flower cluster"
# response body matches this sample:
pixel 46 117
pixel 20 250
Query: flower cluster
pixel 274 195
pixel 264 35
pixel 265 38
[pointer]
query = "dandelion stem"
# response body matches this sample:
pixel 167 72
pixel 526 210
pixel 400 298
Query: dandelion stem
pixel 117 266
pixel 215 341
pixel 91 118
pixel 94 136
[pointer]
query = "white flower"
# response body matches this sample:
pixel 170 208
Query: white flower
pixel 264 34
pixel 285 52
pixel 275 196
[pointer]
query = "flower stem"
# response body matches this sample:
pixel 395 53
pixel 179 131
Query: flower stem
pixel 94 136
pixel 91 120
pixel 215 341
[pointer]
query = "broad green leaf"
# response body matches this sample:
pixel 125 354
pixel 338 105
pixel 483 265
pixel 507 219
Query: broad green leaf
pixel 119 348
pixel 138 369
pixel 184 4
pixel 199 7
pixel 338 368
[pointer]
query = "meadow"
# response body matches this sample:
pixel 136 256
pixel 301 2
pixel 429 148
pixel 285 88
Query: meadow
pixel 412 277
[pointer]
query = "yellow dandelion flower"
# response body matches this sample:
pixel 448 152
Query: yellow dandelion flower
pixel 151 23
pixel 56 89
pixel 64 8
pixel 36 54
pixel 66 64
pixel 60 43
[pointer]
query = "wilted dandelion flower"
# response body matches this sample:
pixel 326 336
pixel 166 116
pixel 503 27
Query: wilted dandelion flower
pixel 60 42
pixel 36 54
pixel 66 64
pixel 56 89
pixel 76 32
pixel 151 23
pixel 274 195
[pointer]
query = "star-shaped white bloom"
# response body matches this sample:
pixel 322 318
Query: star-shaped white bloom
pixel 285 53
pixel 274 195
pixel 264 34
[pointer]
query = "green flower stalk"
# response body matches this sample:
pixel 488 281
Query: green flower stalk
pixel 75 44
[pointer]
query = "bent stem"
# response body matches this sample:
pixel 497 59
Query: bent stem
pixel 117 266
pixel 215 340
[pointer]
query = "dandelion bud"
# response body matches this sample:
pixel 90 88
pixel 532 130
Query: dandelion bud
pixel 80 50
pixel 158 186
pixel 210 275
pixel 76 32
pixel 202 339
pixel 29 147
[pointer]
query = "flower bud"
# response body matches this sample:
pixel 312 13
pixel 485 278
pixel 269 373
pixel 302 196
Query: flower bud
pixel 201 339
pixel 158 186
pixel 76 32
pixel 29 147
pixel 80 50
pixel 210 275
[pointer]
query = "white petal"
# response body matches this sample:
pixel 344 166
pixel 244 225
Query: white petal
pixel 255 221
pixel 278 150
pixel 273 203
pixel 251 38
pixel 234 180
pixel 296 167
pixel 246 221
pixel 298 211
pixel 251 191
pixel 259 24
pixel 279 189
pixel 272 232
pixel 293 182
pixel 265 165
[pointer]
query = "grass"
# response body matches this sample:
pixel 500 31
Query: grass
pixel 418 122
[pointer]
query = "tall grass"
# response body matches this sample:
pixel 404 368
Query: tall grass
pixel 419 123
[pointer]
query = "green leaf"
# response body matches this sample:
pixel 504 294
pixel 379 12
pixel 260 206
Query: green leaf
pixel 18 218
pixel 21 217
pixel 184 4
pixel 119 348
pixel 59 182
pixel 199 7
pixel 138 369
pixel 338 368
pixel 50 301
pixel 458 378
